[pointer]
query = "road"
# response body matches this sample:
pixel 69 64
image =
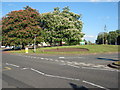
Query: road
pixel 59 71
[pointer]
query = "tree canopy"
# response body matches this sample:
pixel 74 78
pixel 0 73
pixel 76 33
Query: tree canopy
pixel 19 27
pixel 62 26
pixel 109 38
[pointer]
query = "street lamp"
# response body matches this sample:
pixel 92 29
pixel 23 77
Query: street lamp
pixel 35 42
pixel 105 29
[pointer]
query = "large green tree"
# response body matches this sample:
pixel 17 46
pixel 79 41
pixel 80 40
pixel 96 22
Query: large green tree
pixel 62 26
pixel 20 27
pixel 109 38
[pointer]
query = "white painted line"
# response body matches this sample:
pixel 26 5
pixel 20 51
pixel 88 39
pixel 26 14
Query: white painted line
pixel 74 66
pixel 62 61
pixel 84 64
pixel 61 57
pixel 38 71
pixel 46 58
pixel 95 85
pixel 57 60
pixel 41 58
pixel 98 66
pixel 12 65
pixel 24 68
pixel 62 77
pixel 51 59
pixel 69 62
pixel 48 75
pixel 100 69
pixel 80 57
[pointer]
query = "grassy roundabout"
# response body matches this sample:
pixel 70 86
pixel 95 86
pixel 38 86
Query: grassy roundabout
pixel 117 63
pixel 86 49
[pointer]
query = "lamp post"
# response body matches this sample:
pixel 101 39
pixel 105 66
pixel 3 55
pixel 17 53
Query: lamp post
pixel 34 43
pixel 105 39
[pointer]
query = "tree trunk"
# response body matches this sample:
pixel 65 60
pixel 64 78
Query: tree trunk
pixel 60 43
pixel 23 46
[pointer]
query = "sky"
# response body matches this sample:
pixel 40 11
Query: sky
pixel 95 15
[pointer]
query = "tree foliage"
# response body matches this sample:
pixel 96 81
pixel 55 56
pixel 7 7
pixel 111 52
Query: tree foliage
pixel 62 26
pixel 19 27
pixel 109 38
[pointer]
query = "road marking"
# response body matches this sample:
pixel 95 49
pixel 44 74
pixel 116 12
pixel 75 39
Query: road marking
pixel 48 75
pixel 38 71
pixel 74 66
pixel 46 58
pixel 61 57
pixel 24 68
pixel 95 85
pixel 74 63
pixel 100 69
pixel 62 61
pixel 6 68
pixel 57 60
pixel 12 65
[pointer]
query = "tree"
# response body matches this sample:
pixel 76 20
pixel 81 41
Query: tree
pixel 102 38
pixel 111 38
pixel 62 26
pixel 19 27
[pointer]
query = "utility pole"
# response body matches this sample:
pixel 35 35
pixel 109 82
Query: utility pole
pixel 34 43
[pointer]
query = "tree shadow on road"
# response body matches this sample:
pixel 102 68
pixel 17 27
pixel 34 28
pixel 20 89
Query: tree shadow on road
pixel 76 87
pixel 7 50
pixel 108 59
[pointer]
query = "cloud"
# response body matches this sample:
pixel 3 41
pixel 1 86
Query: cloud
pixel 89 36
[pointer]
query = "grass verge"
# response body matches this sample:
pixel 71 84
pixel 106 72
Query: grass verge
pixel 92 49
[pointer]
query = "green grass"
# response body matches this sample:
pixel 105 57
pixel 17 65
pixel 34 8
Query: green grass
pixel 92 49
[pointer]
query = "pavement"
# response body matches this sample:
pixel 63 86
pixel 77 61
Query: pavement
pixel 59 71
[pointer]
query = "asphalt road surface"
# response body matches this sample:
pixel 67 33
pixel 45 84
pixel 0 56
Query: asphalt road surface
pixel 58 71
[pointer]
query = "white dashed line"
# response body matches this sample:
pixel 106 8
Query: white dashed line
pixel 95 85
pixel 100 69
pixel 57 60
pixel 38 71
pixel 62 61
pixel 12 65
pixel 24 68
pixel 48 75
pixel 74 66
pixel 61 57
